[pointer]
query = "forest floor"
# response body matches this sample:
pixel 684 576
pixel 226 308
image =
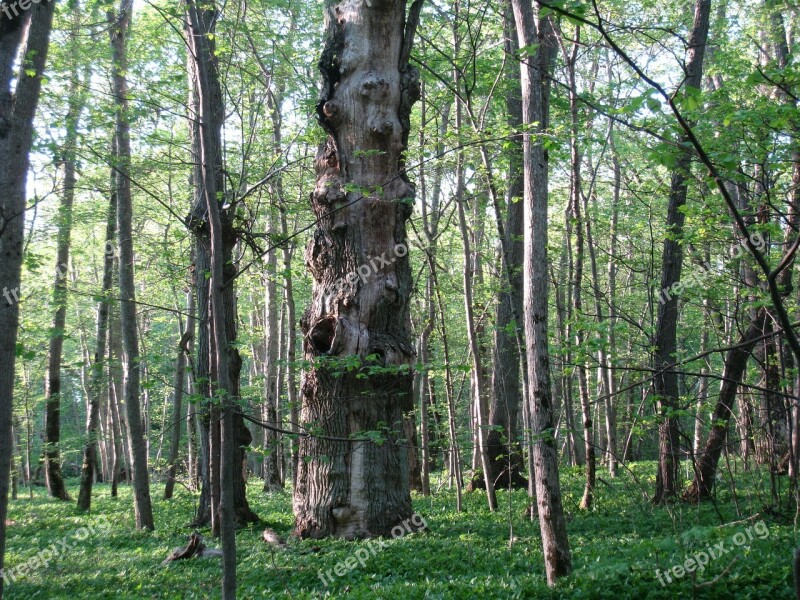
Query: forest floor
pixel 617 548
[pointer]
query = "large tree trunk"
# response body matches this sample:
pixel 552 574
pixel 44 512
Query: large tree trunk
pixel 98 367
pixel 535 103
pixel 362 279
pixel 130 342
pixel 665 383
pixel 17 109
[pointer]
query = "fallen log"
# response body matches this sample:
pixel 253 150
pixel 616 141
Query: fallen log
pixel 195 547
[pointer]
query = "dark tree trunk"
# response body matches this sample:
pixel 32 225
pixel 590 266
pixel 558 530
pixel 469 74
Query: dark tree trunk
pixel 208 173
pixel 130 341
pixel 735 364
pixel 17 109
pixel 505 453
pixel 187 333
pixel 665 383
pixel 197 221
pixel 53 476
pixel 362 279
pixel 52 452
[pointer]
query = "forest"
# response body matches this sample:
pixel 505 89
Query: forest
pixel 399 299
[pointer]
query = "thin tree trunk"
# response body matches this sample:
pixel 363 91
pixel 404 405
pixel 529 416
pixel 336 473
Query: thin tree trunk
pixel 505 454
pixel 535 102
pixel 187 333
pixel 130 342
pixel 575 225
pixel 269 412
pixel 478 399
pixel 477 380
pixel 209 153
pixel 210 440
pixel 291 344
pixel 735 364
pixel 53 476
pixel 430 224
pixel 99 365
pixel 702 392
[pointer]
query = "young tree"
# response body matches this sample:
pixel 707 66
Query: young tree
pixel 52 453
pixel 119 23
pixel 210 149
pixel 538 33
pixel 536 66
pixel 356 487
pixel 187 334
pixel 98 367
pixel 205 55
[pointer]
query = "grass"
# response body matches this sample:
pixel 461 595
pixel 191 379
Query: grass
pixel 616 549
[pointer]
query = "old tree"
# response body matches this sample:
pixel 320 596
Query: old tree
pixel 352 478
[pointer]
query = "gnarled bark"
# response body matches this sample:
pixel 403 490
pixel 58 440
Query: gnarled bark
pixel 362 280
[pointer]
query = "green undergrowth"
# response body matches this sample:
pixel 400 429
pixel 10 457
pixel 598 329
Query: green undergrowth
pixel 617 548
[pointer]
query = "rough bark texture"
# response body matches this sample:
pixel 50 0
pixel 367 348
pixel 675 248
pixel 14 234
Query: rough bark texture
pixel 17 108
pixel 535 102
pixel 130 341
pixel 665 383
pixel 362 199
